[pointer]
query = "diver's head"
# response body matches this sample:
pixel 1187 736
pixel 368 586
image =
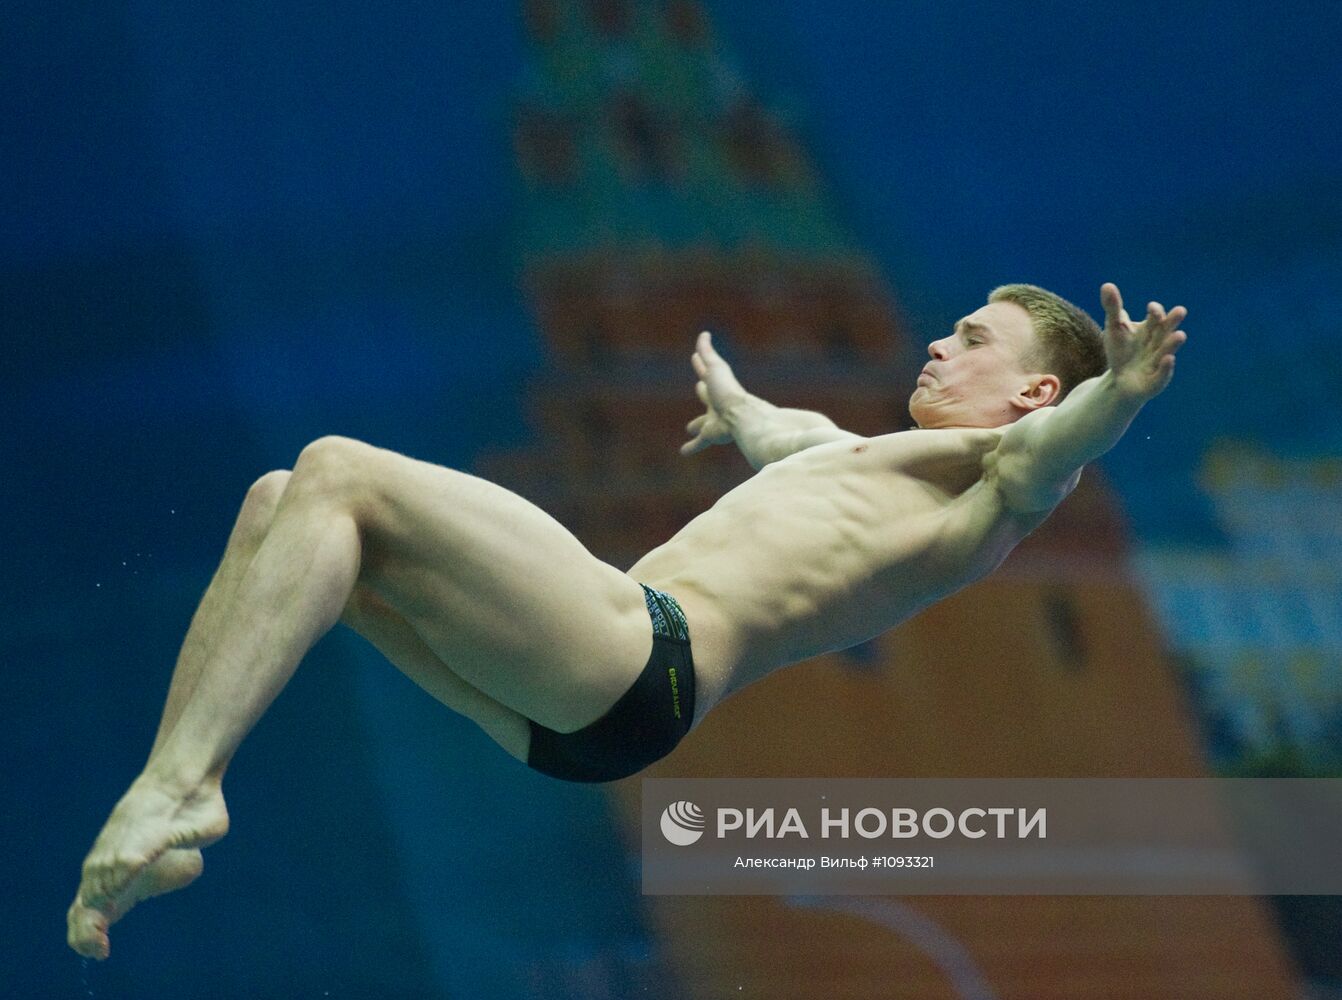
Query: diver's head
pixel 1025 349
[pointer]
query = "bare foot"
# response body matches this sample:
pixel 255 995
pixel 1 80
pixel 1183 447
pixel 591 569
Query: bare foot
pixel 87 927
pixel 149 846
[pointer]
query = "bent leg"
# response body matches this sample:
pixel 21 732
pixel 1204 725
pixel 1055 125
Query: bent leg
pixel 178 867
pixel 497 589
pixel 290 594
pixel 365 613
pixel 249 530
pixel 492 585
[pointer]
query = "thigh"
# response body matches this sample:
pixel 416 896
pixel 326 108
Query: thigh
pixel 499 590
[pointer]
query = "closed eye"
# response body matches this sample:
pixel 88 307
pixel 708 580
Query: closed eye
pixel 968 329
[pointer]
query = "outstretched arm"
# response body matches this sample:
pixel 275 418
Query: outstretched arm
pixel 1039 456
pixel 764 432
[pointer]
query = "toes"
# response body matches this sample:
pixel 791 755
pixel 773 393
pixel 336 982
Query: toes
pixel 87 932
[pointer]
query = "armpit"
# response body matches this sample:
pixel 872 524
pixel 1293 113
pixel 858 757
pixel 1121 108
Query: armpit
pixel 1017 481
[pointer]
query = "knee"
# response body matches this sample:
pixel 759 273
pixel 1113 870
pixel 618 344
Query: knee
pixel 328 461
pixel 333 448
pixel 263 498
pixel 267 490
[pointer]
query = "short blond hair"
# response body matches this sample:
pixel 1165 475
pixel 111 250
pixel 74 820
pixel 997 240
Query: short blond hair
pixel 1068 342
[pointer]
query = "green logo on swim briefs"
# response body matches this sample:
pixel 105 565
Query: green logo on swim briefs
pixel 675 692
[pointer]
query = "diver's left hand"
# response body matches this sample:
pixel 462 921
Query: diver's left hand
pixel 1141 356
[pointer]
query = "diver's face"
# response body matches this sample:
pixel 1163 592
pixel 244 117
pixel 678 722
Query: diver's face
pixel 977 376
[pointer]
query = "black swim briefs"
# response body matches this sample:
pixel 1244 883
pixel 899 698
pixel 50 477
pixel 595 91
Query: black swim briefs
pixel 644 725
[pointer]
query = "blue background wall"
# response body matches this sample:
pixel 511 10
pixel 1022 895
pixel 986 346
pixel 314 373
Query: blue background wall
pixel 227 229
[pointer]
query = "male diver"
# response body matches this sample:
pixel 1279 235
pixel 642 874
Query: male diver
pixel 499 612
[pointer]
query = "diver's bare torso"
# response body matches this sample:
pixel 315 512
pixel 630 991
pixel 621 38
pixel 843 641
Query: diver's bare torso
pixel 831 546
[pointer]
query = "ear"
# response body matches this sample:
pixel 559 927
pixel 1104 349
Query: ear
pixel 1042 390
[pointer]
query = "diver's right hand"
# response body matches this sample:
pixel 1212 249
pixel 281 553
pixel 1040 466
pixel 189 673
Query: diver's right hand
pixel 720 393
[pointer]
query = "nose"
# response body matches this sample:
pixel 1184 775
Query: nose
pixel 937 349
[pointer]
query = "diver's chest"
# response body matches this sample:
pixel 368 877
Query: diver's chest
pixel 944 462
pixel 916 486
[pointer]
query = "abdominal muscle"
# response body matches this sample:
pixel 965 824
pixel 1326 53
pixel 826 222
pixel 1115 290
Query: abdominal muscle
pixel 823 550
